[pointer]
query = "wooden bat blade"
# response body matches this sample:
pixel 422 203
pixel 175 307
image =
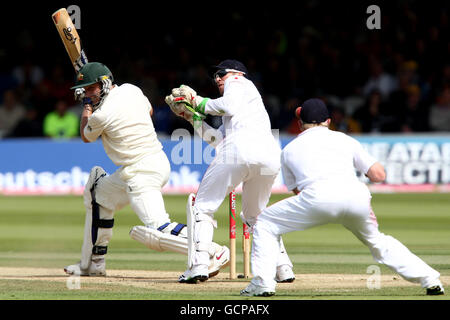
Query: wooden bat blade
pixel 70 38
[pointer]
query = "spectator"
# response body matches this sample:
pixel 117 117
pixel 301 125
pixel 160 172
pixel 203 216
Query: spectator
pixel 11 111
pixel 379 80
pixel 326 56
pixel 371 115
pixel 414 117
pixel 406 76
pixel 440 111
pixel 61 123
pixel 52 89
pixel 28 126
pixel 342 122
pixel 27 75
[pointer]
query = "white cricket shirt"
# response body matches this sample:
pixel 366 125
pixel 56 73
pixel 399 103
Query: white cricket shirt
pixel 245 122
pixel 124 123
pixel 322 154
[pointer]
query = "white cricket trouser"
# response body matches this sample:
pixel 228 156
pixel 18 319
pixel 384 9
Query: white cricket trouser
pixel 140 186
pixel 331 202
pixel 219 180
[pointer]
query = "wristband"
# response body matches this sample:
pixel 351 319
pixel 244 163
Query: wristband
pixel 87 100
pixel 201 106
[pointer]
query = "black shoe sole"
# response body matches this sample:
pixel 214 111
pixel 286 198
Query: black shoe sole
pixel 290 280
pixel 194 280
pixel 266 294
pixel 435 293
pixel 201 278
pixel 190 281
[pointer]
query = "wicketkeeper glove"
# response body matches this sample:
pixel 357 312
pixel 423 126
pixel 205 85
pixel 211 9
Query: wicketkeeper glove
pixel 188 96
pixel 176 107
pixel 182 110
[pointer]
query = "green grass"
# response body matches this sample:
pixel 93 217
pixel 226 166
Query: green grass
pixel 47 232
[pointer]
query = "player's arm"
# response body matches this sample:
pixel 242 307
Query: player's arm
pixel 376 173
pixel 230 102
pixel 210 135
pixel 367 164
pixel 146 102
pixel 227 105
pixel 288 175
pixel 205 131
pixel 87 112
pixel 91 124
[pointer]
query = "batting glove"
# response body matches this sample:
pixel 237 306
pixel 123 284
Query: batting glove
pixel 79 94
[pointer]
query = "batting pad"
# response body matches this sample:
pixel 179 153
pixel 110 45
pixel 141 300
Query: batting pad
pixel 158 240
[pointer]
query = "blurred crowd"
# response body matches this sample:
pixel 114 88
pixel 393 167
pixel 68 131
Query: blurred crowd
pixel 392 80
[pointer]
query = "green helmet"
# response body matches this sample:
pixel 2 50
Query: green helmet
pixel 91 73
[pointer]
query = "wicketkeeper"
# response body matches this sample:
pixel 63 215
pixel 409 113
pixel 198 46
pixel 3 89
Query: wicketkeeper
pixel 246 152
pixel 121 115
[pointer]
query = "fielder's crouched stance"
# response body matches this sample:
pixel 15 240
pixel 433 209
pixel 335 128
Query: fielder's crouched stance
pixel 121 115
pixel 319 167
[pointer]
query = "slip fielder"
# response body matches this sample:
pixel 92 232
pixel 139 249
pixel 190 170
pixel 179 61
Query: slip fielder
pixel 319 167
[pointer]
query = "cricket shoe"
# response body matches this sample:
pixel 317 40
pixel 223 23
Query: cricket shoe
pixel 97 268
pixel 219 260
pixel 257 291
pixel 197 273
pixel 284 274
pixel 435 290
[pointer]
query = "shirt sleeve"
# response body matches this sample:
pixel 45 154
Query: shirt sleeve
pixel 209 134
pixel 229 103
pixel 288 175
pixel 362 160
pixel 147 103
pixel 94 126
pixel 221 129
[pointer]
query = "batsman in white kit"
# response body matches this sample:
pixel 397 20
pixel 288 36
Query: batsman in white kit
pixel 246 152
pixel 121 115
pixel 319 167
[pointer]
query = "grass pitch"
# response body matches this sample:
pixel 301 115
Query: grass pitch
pixel 40 235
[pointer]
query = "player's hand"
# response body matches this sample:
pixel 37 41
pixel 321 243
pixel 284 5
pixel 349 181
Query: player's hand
pixel 187 95
pixel 180 109
pixel 176 107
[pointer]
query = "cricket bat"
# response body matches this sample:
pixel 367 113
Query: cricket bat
pixel 70 38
